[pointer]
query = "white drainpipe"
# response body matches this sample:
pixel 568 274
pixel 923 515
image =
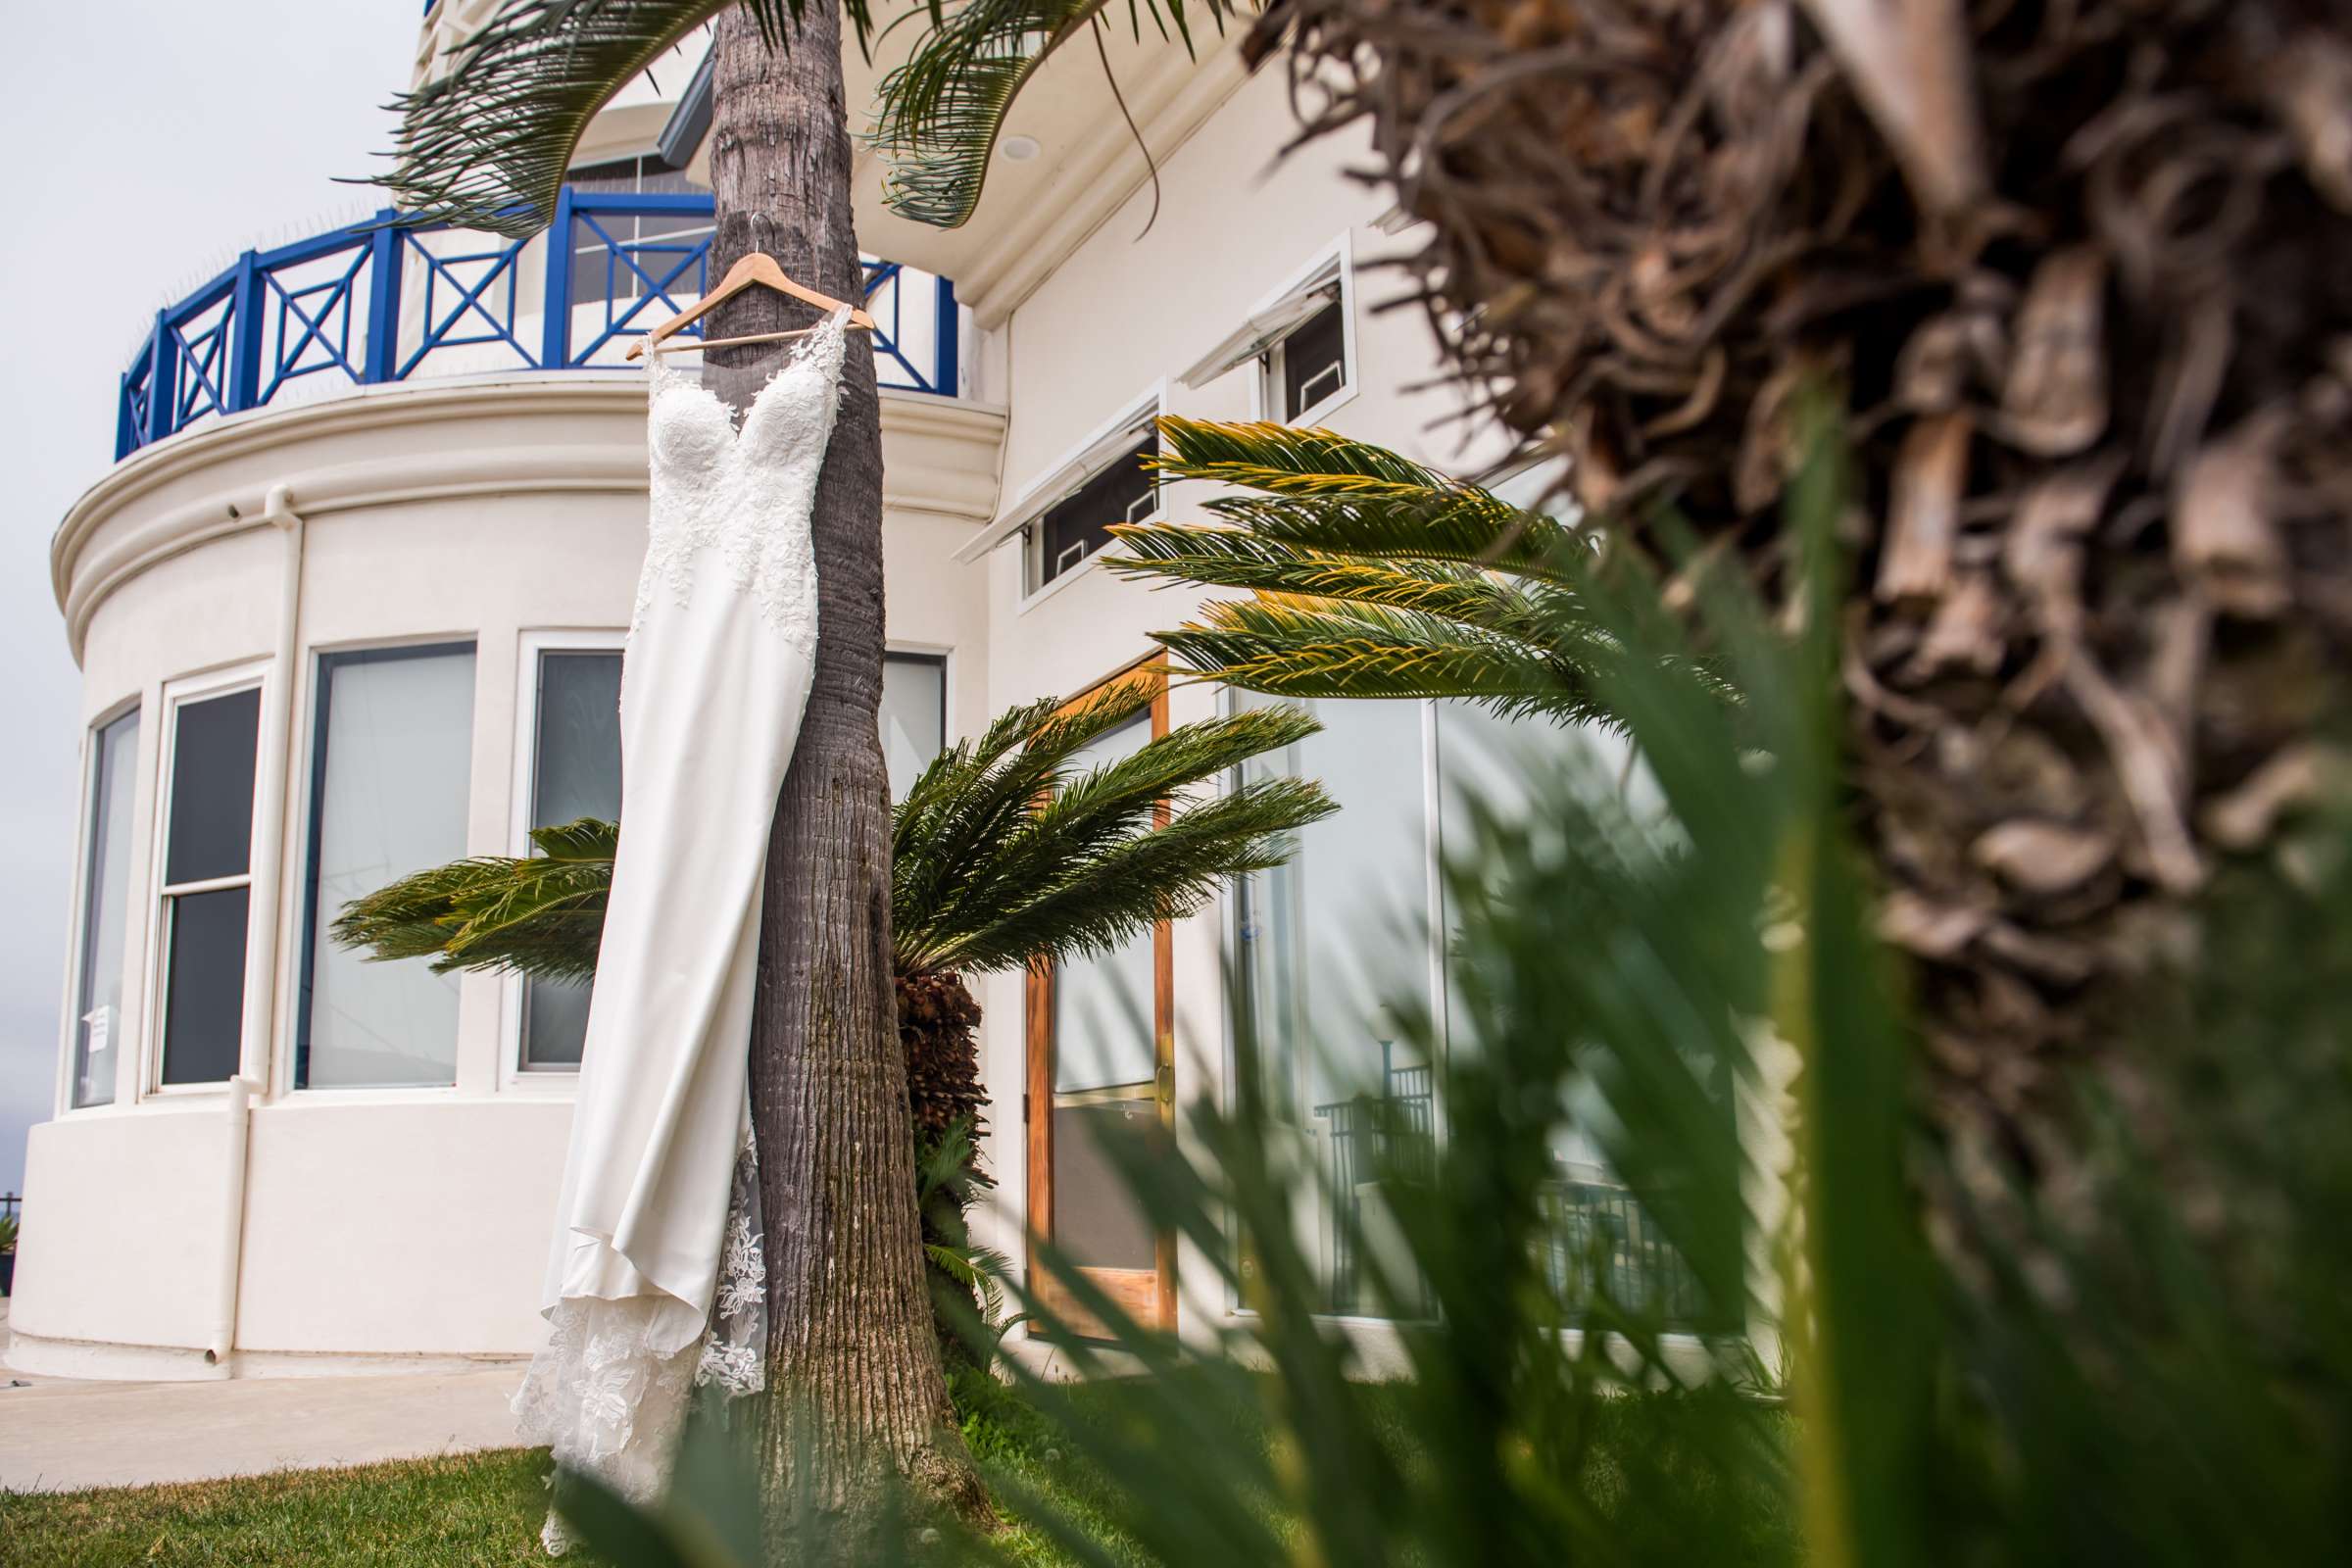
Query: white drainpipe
pixel 224 1336
pixel 261 958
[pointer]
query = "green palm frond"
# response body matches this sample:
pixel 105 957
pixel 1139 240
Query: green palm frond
pixel 942 110
pixel 485 144
pixel 1370 575
pixel 540 915
pixel 1087 862
pixel 1317 488
pixel 1238 558
pixel 1004 853
pixel 1331 648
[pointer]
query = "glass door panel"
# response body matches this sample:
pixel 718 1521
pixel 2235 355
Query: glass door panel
pixel 1101 1049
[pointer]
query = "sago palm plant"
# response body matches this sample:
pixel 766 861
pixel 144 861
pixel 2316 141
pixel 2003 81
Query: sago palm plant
pixel 1003 854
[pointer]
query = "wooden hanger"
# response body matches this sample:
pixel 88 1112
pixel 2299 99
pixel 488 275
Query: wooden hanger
pixel 756 268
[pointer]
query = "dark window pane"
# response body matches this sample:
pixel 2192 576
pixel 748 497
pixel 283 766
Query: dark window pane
pixel 576 772
pixel 554 1023
pixel 1076 528
pixel 1314 361
pixel 212 788
pixel 203 1001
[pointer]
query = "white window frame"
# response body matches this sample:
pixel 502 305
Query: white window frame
pixel 70 1009
pixel 1269 324
pixel 155 960
pixel 304 948
pixel 513 1076
pixel 1056 482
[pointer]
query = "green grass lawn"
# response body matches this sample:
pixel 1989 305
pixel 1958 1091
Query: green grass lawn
pixel 477 1510
pixel 484 1510
pixel 480 1510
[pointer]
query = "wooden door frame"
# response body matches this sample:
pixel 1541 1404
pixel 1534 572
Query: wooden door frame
pixel 1038 1100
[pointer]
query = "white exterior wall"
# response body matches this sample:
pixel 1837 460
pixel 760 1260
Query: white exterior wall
pixel 401 1223
pixel 1122 316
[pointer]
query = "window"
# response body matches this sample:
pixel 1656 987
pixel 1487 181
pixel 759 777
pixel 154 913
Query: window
pixel 1122 490
pixel 1302 339
pixel 1351 920
pixel 208 886
pixel 389 784
pixel 656 242
pixel 1310 367
pixel 576 772
pixel 106 889
pixel 914 716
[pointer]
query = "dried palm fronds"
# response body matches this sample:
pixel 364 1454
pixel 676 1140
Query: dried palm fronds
pixel 2081 273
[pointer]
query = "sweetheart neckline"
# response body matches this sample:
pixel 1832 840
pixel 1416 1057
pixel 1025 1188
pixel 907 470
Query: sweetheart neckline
pixel 798 357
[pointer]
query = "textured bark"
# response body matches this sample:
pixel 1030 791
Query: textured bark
pixel 2077 270
pixel 850 1341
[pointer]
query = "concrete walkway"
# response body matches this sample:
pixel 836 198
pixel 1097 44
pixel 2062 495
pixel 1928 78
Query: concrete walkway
pixel 62 1435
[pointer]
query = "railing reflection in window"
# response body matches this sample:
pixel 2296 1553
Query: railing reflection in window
pixel 1373 1141
pixel 373 303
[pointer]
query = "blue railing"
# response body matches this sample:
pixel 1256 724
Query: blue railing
pixel 375 303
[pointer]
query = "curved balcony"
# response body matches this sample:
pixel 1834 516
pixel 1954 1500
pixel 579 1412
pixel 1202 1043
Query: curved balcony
pixel 372 302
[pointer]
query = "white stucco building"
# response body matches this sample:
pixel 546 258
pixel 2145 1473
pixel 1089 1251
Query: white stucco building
pixel 350 603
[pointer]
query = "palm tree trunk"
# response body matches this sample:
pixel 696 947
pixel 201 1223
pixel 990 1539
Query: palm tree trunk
pixel 849 1339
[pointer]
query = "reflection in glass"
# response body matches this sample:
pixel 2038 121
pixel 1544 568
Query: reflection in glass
pixel 1103 1001
pixel 1599 1238
pixel 576 772
pixel 98 1005
pixel 1326 940
pixel 390 784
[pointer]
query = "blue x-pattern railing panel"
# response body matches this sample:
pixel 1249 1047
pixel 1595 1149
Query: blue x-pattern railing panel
pixel 334 305
pixel 462 311
pixel 315 305
pixel 654 261
pixel 202 346
pixel 886 303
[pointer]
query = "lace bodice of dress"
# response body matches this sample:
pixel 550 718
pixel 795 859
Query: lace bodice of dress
pixel 747 494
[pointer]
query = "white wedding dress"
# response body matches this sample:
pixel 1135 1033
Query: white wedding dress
pixel 655 1282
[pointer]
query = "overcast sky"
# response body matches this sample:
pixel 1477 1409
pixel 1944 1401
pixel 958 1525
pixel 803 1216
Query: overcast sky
pixel 155 139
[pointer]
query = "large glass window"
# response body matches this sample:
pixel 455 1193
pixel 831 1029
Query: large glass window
pixel 576 772
pixel 106 883
pixel 1344 925
pixel 206 892
pixel 1327 940
pixel 390 778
